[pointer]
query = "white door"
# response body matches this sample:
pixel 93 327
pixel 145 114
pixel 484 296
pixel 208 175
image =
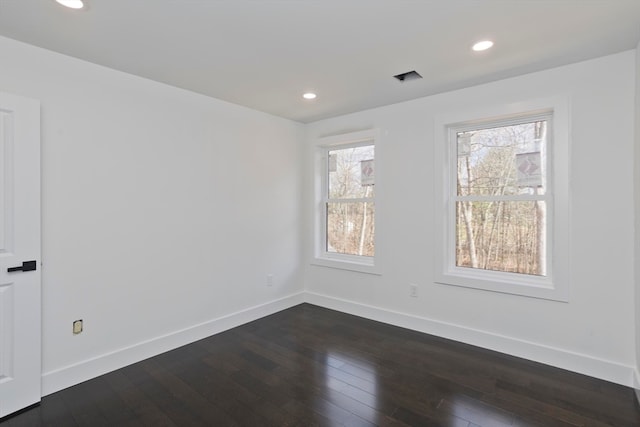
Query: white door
pixel 20 313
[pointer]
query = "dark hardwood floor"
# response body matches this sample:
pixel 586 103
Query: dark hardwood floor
pixel 309 366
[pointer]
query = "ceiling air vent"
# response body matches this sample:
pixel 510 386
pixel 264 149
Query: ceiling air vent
pixel 409 75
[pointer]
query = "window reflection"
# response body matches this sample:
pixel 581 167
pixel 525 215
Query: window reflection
pixel 352 383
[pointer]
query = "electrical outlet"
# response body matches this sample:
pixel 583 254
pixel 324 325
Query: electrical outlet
pixel 77 327
pixel 269 280
pixel 413 290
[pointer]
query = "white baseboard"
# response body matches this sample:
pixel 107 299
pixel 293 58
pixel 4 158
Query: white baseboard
pixel 67 376
pixel 82 371
pixel 560 358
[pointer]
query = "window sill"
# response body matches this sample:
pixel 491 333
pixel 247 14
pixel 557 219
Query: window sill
pixel 347 264
pixel 506 283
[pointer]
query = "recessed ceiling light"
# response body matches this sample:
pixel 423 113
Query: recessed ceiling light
pixel 482 45
pixel 309 95
pixel 73 4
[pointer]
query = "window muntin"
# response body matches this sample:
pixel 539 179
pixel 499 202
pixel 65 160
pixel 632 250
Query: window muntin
pixel 349 203
pixel 501 196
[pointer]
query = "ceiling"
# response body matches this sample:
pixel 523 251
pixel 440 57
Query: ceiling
pixel 265 53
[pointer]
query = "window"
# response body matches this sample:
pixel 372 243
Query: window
pixel 500 199
pixel 504 220
pixel 345 214
pixel 349 201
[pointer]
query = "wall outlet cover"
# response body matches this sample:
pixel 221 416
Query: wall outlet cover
pixel 77 327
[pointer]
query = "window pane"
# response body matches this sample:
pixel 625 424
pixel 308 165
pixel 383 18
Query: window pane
pixel 502 236
pixel 507 160
pixel 351 228
pixel 351 172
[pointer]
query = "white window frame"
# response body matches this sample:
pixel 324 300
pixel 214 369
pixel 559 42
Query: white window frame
pixel 553 286
pixel 322 257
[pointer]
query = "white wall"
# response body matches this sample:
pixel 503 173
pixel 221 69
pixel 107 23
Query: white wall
pixel 592 333
pixel 163 212
pixel 637 221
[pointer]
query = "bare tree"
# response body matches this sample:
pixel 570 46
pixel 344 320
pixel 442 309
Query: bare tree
pixel 495 229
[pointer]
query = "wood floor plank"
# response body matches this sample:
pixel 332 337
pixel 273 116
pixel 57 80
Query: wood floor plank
pixel 309 366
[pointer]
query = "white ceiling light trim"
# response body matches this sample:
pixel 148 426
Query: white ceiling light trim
pixel 72 4
pixel 309 95
pixel 482 45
